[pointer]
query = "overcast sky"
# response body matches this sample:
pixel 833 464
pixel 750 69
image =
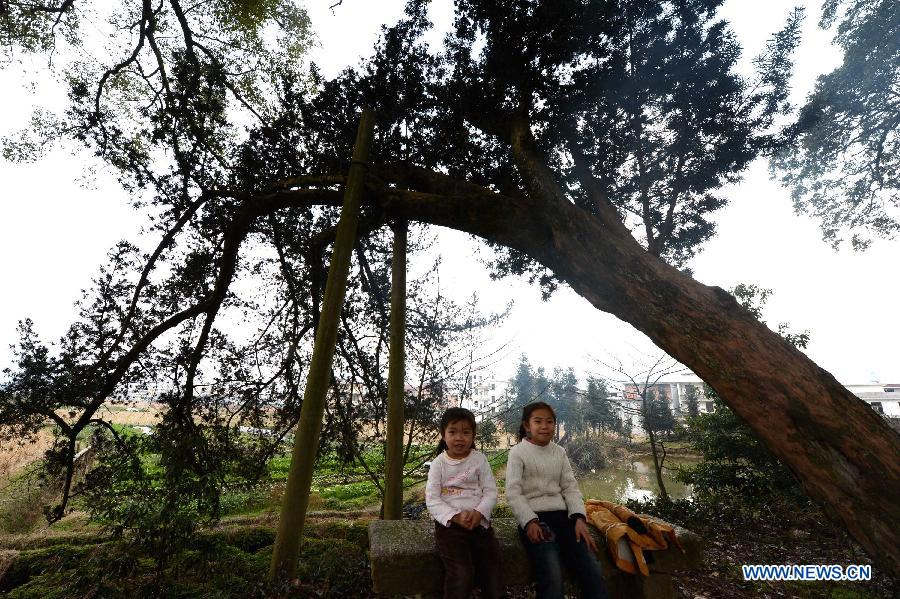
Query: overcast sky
pixel 55 232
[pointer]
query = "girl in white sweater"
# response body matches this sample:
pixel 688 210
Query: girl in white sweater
pixel 544 496
pixel 460 496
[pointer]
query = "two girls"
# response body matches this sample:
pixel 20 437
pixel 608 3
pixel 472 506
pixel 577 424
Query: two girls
pixel 542 493
pixel 460 496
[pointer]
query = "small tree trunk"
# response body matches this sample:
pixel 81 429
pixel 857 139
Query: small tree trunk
pixel 393 489
pixel 657 466
pixel 306 439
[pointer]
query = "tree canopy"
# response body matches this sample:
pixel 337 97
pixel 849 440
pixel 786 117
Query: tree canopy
pixel 585 139
pixel 841 157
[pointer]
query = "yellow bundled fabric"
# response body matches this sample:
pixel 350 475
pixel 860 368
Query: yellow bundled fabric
pixel 628 534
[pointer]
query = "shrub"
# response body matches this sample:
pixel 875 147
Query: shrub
pixel 586 453
pixel 21 508
pixel 338 567
pixel 246 538
pixel 737 468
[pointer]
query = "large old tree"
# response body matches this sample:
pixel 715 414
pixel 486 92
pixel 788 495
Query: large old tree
pixel 584 140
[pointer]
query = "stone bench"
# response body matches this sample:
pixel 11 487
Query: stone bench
pixel 404 561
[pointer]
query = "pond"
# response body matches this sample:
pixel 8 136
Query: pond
pixel 633 478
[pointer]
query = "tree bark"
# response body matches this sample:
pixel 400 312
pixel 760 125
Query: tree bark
pixel 306 440
pixel 393 488
pixel 843 453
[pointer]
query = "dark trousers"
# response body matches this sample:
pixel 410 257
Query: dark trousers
pixel 470 557
pixel 548 558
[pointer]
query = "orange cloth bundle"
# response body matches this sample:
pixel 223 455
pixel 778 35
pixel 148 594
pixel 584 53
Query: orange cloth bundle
pixel 628 534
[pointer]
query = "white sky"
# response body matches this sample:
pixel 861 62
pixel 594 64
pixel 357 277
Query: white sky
pixel 54 232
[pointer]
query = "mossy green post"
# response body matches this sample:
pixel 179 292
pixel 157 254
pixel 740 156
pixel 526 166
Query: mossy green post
pixel 306 439
pixel 393 488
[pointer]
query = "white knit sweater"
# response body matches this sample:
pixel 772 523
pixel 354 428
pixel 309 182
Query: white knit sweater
pixel 540 479
pixel 457 485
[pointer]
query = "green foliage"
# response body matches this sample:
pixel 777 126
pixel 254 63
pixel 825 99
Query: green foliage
pixel 338 563
pixel 692 401
pixel 248 500
pixel 503 511
pixel 567 403
pixel 21 501
pixel 486 435
pixel 841 157
pixel 226 563
pixel 166 78
pixel 33 27
pixel 734 462
pixel 519 393
pixel 642 99
pixel 599 410
pixel 50 572
pixel 587 453
pixel 578 412
pixel 657 416
pixel 248 539
pixel 352 531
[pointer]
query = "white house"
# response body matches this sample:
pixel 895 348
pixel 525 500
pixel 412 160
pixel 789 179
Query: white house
pixel 884 398
pixel 484 395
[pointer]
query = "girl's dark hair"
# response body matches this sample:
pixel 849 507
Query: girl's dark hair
pixel 526 414
pixel 454 415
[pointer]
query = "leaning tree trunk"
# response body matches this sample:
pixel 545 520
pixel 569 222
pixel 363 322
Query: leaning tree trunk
pixel 306 440
pixel 393 486
pixel 843 453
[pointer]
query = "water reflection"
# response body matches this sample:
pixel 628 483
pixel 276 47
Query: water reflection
pixel 634 479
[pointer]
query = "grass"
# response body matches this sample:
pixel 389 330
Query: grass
pixel 221 563
pixel 339 486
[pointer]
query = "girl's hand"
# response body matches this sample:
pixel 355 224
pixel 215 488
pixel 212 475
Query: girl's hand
pixel 534 532
pixel 582 533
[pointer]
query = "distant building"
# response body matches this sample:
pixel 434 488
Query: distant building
pixel 627 398
pixel 884 398
pixel 483 394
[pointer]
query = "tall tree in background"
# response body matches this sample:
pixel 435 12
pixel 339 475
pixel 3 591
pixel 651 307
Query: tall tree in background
pixel 566 402
pixel 599 411
pixel 658 416
pixel 842 155
pixel 590 153
pixel 520 391
pixel 692 401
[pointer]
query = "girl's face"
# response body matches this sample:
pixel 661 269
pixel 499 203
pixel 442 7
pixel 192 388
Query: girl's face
pixel 540 426
pixel 459 436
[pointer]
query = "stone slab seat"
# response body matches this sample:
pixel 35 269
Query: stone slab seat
pixel 404 561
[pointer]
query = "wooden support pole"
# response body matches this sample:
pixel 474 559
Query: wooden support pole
pixel 306 438
pixel 393 488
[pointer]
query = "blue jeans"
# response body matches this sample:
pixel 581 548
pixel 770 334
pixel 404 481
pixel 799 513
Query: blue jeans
pixel 548 558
